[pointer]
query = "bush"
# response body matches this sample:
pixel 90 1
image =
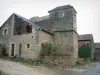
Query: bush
pixel 80 61
pixel 3 50
pixel 47 48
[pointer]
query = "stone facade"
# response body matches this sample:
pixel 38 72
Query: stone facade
pixel 24 36
pixel 97 51
pixel 65 30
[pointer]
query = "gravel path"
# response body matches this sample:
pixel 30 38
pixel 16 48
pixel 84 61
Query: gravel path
pixel 13 68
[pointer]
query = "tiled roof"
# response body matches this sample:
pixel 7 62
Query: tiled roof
pixel 86 37
pixel 97 45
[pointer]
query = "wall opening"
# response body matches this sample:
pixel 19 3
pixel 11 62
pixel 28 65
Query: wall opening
pixel 20 49
pixel 12 49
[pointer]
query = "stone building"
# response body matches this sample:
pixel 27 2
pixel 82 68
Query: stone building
pixel 23 37
pixel 97 51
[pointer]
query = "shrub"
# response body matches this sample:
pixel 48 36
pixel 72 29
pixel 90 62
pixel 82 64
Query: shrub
pixel 80 61
pixel 47 48
pixel 3 50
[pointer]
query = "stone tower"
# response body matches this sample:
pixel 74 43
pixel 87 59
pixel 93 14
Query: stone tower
pixel 63 21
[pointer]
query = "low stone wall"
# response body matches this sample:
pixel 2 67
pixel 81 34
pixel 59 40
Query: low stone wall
pixel 60 61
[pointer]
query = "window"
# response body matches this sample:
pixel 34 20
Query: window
pixel 87 43
pixel 0 43
pixel 27 45
pixel 5 31
pixel 61 14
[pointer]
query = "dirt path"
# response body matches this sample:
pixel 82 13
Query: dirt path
pixel 13 68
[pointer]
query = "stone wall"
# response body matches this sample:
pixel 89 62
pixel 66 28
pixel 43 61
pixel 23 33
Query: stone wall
pixel 65 23
pixel 34 39
pixel 5 38
pixel 67 42
pixel 43 36
pixel 75 44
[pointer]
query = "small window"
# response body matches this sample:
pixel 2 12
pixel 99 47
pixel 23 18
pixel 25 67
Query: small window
pixel 87 43
pixel 0 43
pixel 27 45
pixel 61 14
pixel 5 31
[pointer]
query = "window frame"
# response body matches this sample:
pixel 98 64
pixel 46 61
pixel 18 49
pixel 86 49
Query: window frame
pixel 4 31
pixel 27 46
pixel 87 43
pixel 61 14
pixel 0 43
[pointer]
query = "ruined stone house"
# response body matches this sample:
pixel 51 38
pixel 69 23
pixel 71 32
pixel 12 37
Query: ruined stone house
pixel 23 37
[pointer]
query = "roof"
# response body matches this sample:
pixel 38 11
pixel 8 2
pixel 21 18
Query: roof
pixel 62 7
pixel 45 25
pixel 97 45
pixel 39 25
pixel 26 20
pixel 37 19
pixel 86 37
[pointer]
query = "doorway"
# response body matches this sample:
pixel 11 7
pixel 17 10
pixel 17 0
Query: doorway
pixel 20 49
pixel 12 49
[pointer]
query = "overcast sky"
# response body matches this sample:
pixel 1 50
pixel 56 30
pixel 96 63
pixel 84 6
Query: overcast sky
pixel 88 12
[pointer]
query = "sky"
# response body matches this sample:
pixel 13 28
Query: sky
pixel 88 12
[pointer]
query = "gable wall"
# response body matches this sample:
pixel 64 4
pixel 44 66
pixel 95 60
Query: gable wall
pixel 5 38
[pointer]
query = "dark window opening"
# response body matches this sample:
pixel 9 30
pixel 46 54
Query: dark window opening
pixel 12 49
pixel 5 31
pixel 0 43
pixel 87 43
pixel 29 29
pixel 28 45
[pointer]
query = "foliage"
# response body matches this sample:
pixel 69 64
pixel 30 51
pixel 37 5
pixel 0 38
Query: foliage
pixel 84 51
pixel 47 48
pixel 80 61
pixel 3 50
